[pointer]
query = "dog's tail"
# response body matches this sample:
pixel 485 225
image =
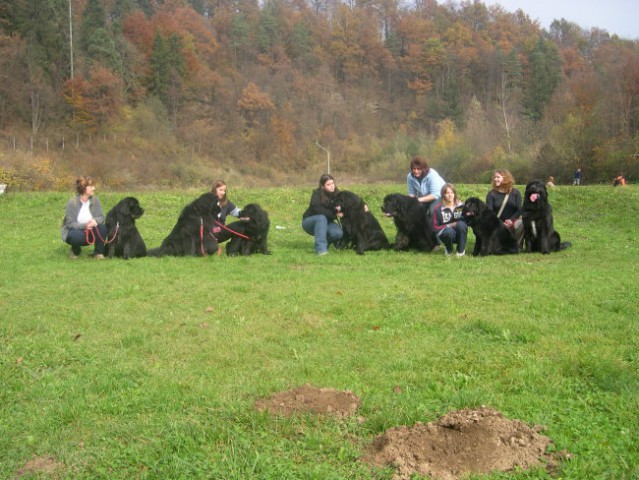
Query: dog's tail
pixel 564 246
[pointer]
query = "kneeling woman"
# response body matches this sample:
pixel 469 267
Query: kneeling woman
pixel 448 222
pixel 84 220
pixel 319 218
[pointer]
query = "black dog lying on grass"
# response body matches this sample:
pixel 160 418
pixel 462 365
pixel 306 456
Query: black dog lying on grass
pixel 192 234
pixel 413 222
pixel 248 235
pixel 123 238
pixel 491 236
pixel 361 229
pixel 539 231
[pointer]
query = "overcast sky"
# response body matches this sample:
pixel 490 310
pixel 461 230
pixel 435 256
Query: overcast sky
pixel 615 16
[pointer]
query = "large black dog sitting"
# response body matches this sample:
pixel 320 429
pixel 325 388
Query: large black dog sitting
pixel 413 222
pixel 539 231
pixel 491 236
pixel 248 235
pixel 361 229
pixel 191 235
pixel 124 239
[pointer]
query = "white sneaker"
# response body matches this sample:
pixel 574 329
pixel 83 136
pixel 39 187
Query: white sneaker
pixel 461 254
pixel 448 254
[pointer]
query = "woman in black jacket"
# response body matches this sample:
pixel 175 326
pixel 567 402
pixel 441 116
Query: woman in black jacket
pixel 319 218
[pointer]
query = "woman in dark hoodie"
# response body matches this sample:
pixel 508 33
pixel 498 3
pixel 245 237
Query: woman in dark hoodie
pixel 319 218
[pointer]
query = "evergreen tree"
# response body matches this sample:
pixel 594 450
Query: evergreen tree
pixel 543 78
pixel 101 49
pixel 239 35
pixel 93 19
pixel 158 82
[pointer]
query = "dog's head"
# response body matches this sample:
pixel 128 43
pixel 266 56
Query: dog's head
pixel 348 201
pixel 132 206
pixel 536 193
pixel 126 211
pixel 206 205
pixel 472 209
pixel 393 204
pixel 257 217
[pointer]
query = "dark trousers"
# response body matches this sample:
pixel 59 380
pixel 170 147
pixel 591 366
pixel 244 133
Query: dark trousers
pixel 78 238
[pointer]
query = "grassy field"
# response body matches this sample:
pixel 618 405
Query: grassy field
pixel 150 368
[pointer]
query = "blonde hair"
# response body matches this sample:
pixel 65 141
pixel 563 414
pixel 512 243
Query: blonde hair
pixel 508 183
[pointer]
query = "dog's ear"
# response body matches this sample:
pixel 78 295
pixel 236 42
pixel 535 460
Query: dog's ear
pixel 124 208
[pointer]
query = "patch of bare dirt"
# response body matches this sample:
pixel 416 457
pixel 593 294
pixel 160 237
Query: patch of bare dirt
pixel 466 441
pixel 39 466
pixel 309 399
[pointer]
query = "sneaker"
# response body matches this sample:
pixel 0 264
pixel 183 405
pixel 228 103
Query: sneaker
pixel 448 254
pixel 73 256
pixel 98 256
pixel 461 254
pixel 321 254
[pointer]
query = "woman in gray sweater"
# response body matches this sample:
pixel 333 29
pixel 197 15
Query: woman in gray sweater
pixel 84 220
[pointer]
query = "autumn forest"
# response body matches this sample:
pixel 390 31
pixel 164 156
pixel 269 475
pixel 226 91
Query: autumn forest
pixel 176 93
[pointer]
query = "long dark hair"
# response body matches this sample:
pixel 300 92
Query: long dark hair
pixel 324 195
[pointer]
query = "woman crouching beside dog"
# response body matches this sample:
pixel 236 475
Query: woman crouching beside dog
pixel 319 218
pixel 424 183
pixel 226 206
pixel 448 221
pixel 84 220
pixel 505 200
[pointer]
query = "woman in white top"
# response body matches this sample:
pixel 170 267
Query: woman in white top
pixel 84 220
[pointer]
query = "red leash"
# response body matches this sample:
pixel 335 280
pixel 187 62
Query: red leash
pixel 219 249
pixel 202 237
pixel 90 236
pixel 232 231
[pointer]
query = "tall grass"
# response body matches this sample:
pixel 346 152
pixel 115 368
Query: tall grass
pixel 149 368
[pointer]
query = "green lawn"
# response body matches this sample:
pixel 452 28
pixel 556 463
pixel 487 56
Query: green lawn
pixel 119 369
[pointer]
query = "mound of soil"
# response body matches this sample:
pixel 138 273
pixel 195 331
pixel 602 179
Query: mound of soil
pixel 308 399
pixel 467 441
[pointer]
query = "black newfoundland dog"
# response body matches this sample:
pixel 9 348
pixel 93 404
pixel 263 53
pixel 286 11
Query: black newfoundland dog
pixel 491 236
pixel 124 239
pixel 192 234
pixel 539 230
pixel 246 236
pixel 361 229
pixel 413 222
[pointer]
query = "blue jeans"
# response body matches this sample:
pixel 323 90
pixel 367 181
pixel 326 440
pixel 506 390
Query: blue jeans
pixel 78 238
pixel 456 234
pixel 325 232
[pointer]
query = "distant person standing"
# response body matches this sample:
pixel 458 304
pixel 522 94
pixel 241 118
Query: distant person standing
pixel 577 179
pixel 424 183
